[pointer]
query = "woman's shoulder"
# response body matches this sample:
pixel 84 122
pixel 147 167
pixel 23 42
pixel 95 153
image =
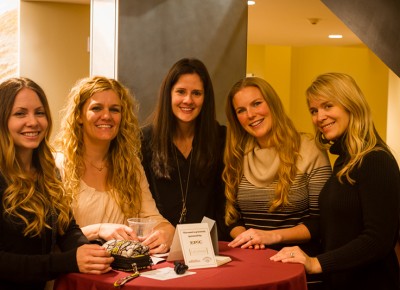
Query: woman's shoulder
pixel 310 152
pixel 147 128
pixel 221 135
pixel 147 132
pixel 308 146
pixel 221 130
pixel 146 136
pixel 220 127
pixel 379 157
pixel 378 164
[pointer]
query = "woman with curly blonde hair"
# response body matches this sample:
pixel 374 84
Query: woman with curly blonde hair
pixel 101 163
pixel 273 174
pixel 35 212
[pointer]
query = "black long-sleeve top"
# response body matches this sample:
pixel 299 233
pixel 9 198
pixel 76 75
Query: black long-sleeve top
pixel 202 199
pixel 359 224
pixel 27 262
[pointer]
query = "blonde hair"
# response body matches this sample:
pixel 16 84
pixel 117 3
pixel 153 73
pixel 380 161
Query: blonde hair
pixel 361 136
pixel 283 134
pixel 124 156
pixel 31 200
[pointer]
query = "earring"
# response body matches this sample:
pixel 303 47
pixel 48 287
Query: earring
pixel 180 268
pixel 323 139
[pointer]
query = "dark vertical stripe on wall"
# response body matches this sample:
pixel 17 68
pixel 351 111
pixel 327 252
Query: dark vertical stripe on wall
pixel 154 34
pixel 376 23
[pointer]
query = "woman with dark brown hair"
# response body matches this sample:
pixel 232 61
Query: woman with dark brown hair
pixel 183 147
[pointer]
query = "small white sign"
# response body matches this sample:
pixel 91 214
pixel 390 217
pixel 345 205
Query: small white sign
pixel 192 243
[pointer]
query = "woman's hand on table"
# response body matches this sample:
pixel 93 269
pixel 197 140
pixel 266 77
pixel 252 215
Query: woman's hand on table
pixel 249 239
pixel 160 240
pixel 93 259
pixel 110 231
pixel 296 255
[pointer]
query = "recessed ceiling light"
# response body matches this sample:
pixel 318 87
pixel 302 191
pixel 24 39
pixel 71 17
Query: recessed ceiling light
pixel 250 2
pixel 335 36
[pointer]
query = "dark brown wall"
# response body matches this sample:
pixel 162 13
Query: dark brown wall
pixel 376 23
pixel 154 34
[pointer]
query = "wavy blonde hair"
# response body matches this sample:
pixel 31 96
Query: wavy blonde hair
pixel 361 136
pixel 31 200
pixel 124 154
pixel 239 143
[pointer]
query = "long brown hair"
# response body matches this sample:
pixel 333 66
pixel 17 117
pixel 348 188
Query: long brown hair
pixel 164 124
pixel 25 196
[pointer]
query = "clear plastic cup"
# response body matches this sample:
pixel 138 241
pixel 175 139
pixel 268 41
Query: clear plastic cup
pixel 142 227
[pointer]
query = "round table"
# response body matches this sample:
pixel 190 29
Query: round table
pixel 249 269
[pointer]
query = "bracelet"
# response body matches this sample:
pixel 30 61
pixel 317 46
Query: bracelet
pixel 98 231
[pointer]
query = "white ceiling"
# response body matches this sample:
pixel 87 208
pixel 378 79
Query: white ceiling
pixel 286 22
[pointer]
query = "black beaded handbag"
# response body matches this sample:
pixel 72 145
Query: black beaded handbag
pixel 128 256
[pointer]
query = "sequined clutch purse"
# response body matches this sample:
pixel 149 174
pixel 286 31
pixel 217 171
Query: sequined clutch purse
pixel 128 255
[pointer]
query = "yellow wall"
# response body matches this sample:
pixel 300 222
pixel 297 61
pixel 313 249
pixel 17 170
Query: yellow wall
pixel 298 66
pixel 393 128
pixel 290 70
pixel 53 48
pixel 272 63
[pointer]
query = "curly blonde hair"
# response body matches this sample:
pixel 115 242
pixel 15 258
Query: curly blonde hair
pixel 238 143
pixel 124 154
pixel 34 201
pixel 361 136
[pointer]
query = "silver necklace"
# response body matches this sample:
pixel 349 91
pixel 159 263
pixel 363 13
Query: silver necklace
pixel 182 217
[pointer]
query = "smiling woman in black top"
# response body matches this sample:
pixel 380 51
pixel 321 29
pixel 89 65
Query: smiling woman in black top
pixel 35 210
pixel 183 147
pixel 359 205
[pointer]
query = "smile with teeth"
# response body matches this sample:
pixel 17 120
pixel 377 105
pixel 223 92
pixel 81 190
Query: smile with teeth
pixel 104 126
pixel 186 109
pixel 327 126
pixel 256 123
pixel 30 134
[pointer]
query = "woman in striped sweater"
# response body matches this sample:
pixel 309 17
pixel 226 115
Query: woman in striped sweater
pixel 273 174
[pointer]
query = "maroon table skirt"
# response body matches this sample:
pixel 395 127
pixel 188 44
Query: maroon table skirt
pixel 249 269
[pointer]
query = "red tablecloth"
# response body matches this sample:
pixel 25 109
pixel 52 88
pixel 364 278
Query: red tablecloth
pixel 249 269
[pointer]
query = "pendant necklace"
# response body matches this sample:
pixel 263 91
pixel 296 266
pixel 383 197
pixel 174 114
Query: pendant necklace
pixel 98 168
pixel 182 218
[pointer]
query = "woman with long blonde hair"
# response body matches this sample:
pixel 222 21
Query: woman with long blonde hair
pixel 35 213
pixel 359 205
pixel 101 163
pixel 273 174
